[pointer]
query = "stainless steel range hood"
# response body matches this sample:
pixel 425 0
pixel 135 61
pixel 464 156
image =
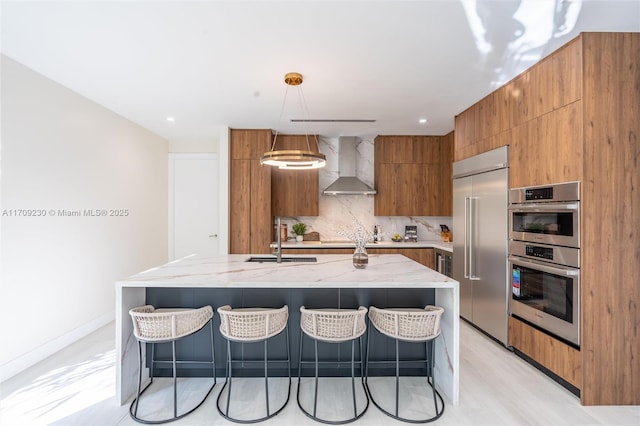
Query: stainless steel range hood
pixel 347 182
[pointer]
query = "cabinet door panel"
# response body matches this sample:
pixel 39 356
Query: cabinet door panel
pixel 548 149
pixel 566 84
pixel 239 206
pixel 261 227
pixel 294 192
pixel 419 186
pixel 249 144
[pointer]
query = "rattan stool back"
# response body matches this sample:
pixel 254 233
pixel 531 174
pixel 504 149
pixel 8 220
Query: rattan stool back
pixel 333 325
pixel 167 325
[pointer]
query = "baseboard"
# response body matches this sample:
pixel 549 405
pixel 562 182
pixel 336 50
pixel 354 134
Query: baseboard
pixel 40 353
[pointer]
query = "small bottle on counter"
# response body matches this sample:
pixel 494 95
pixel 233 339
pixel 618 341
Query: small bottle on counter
pixel 377 234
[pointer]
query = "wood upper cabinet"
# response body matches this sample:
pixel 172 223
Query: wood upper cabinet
pixel 294 192
pixel 249 144
pixel 412 175
pixel 492 115
pixel 554 140
pixel 250 219
pixel 465 133
pixel 550 85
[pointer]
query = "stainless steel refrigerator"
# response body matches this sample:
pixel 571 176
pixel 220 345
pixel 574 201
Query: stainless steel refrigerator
pixel 480 226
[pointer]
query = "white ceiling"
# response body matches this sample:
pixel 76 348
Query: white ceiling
pixel 213 63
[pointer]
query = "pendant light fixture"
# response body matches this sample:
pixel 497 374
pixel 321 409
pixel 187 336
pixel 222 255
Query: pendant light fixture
pixel 294 159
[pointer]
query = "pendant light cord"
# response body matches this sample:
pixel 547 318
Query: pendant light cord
pixel 284 101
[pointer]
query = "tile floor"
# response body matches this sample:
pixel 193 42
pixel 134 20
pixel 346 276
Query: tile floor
pixel 76 387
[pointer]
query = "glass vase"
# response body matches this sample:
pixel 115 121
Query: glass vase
pixel 360 257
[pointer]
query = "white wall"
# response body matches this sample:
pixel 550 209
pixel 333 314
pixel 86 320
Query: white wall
pixel 61 151
pixel 198 145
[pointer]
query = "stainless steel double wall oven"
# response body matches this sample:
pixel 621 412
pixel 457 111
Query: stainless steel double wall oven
pixel 544 258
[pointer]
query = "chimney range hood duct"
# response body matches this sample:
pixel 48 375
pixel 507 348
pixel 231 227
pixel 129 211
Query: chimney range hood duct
pixel 347 182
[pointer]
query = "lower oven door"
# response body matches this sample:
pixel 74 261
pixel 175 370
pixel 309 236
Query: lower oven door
pixel 547 295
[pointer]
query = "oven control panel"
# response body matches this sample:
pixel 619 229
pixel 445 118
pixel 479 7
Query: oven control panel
pixel 531 194
pixel 540 252
pixel 557 192
pixel 567 256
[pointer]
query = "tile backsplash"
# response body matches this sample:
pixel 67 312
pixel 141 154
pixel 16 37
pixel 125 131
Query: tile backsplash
pixel 338 212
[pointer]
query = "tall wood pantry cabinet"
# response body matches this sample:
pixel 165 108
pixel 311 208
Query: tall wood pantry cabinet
pixel 250 219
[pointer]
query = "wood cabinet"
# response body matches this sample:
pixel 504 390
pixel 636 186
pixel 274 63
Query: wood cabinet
pixel 412 175
pixel 516 111
pixel 610 203
pixel 294 192
pixel 547 149
pixel 559 358
pixel 574 116
pixel 250 219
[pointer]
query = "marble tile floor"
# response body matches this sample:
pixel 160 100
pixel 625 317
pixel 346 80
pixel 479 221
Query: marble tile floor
pixel 76 387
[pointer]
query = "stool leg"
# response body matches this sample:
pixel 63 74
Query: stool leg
pixel 175 380
pixel 366 373
pixel 153 357
pixel 135 412
pixel 288 354
pixel 300 359
pixel 432 373
pixel 397 378
pixel 266 378
pixel 228 374
pixel 315 395
pixel 213 353
pixel 361 346
pixel 353 378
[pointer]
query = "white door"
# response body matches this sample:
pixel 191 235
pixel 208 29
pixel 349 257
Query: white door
pixel 193 205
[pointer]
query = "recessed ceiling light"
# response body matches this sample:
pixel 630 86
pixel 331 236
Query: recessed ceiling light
pixel 171 119
pixel 422 121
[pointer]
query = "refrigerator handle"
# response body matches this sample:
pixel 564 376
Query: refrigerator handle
pixel 472 217
pixel 466 236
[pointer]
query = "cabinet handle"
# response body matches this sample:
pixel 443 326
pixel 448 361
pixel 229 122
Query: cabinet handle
pixel 213 236
pixel 466 237
pixel 472 247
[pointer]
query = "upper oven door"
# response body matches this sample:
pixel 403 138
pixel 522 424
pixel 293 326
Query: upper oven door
pixel 548 223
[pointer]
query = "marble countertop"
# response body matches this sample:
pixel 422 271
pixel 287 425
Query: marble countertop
pixel 388 271
pixel 330 270
pixel 348 244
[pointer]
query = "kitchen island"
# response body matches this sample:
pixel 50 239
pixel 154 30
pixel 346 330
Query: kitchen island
pixel 185 283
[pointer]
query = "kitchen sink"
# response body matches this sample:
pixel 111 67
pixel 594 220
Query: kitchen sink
pixel 274 259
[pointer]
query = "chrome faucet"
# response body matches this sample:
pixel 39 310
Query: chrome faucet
pixel 278 252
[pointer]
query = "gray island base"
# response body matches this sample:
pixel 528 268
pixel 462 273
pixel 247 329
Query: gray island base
pixel 331 282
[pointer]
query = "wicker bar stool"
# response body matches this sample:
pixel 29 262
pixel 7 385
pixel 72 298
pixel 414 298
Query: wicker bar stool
pixel 251 325
pixel 409 325
pixel 333 326
pixel 167 325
